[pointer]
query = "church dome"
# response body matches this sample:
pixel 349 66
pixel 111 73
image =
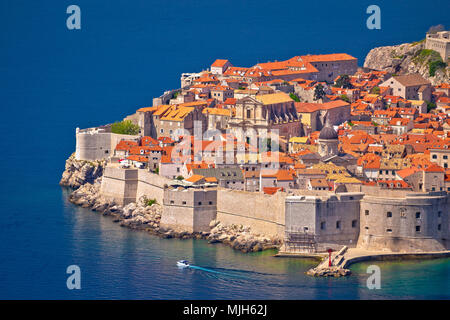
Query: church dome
pixel 328 133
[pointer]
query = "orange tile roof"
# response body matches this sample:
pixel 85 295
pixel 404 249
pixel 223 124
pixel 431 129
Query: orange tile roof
pixel 403 173
pixel 145 141
pixel 394 184
pixel 328 57
pixel 195 178
pixel 217 111
pixel 334 104
pixel 434 168
pixel 219 63
pixel 272 190
pixel 280 175
pixel 306 107
pixel 147 109
pixel 137 158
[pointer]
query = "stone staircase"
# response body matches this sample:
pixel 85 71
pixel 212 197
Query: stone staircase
pixel 336 269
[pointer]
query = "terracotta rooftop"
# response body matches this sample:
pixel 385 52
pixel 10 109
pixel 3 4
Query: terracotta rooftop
pixel 413 79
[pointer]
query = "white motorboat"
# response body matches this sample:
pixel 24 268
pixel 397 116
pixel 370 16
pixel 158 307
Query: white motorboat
pixel 183 263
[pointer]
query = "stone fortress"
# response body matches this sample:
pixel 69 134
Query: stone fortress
pixel 310 221
pixel 439 42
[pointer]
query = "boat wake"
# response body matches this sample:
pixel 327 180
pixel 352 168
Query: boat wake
pixel 231 273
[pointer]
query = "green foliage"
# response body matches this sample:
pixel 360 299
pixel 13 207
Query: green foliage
pixel 424 54
pixel 343 82
pixel 180 178
pixel 430 106
pixel 319 92
pixel 417 42
pixel 375 90
pixel 125 127
pixel 241 88
pixel 435 65
pixel 149 202
pixel 157 170
pixel 351 124
pixel 345 98
pixel 375 124
pixel 294 97
pixel 433 59
pixel 175 95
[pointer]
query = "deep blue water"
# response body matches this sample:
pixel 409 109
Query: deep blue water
pixel 53 80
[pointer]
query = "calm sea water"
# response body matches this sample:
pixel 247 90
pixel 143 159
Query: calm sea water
pixel 53 80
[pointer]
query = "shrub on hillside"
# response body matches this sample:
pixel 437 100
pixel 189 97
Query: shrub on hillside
pixel 125 127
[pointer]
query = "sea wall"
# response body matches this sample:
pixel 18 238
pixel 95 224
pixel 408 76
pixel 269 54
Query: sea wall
pixel 190 210
pixel 263 213
pixel 127 185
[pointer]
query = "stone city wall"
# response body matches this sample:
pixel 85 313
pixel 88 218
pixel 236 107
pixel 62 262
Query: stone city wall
pixel 189 210
pixel 417 222
pixel 263 213
pixel 127 185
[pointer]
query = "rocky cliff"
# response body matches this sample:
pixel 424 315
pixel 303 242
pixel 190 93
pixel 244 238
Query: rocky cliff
pixel 78 173
pixel 409 58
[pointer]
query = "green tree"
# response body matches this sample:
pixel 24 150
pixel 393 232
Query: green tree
pixel 125 127
pixel 345 98
pixel 294 97
pixel 375 90
pixel 180 178
pixel 319 92
pixel 430 106
pixel 343 82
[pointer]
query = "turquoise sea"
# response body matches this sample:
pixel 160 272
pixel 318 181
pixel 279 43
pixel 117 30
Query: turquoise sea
pixel 53 80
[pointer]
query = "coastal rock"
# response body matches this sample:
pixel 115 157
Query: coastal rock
pixel 403 59
pixel 80 172
pixel 332 271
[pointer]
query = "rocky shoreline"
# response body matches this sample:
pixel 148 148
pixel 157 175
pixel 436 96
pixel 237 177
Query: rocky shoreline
pixel 78 173
pixel 86 178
